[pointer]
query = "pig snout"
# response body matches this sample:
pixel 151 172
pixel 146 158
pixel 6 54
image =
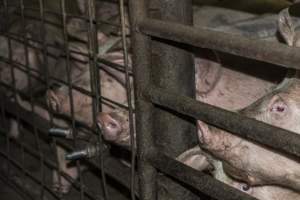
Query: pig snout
pixel 111 127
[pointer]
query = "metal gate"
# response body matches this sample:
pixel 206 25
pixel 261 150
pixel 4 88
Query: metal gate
pixel 28 30
pixel 165 109
pixel 163 91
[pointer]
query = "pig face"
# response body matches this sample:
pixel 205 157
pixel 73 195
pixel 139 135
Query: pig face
pixel 251 162
pixel 115 126
pixel 279 107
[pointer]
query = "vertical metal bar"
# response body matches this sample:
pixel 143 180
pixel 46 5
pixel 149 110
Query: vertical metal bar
pixel 173 69
pixel 5 2
pixel 45 62
pixel 141 69
pixel 95 85
pixel 129 100
pixel 70 88
pixel 25 43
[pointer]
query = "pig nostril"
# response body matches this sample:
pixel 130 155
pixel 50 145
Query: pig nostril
pixel 280 109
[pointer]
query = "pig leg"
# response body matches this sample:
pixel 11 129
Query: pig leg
pixel 61 184
pixel 195 158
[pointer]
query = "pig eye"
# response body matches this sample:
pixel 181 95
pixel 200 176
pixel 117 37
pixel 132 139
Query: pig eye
pixel 245 187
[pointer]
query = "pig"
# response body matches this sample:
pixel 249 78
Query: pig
pixel 215 85
pixel 224 86
pixel 58 99
pixel 200 160
pixel 278 108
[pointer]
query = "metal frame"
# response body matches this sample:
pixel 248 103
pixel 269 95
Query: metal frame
pixel 151 97
pixel 40 126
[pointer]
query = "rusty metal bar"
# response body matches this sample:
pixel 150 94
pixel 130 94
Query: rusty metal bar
pixel 141 62
pixel 172 68
pixel 197 179
pixel 245 127
pixel 270 52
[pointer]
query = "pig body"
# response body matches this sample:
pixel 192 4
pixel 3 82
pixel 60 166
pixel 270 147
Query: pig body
pixel 200 160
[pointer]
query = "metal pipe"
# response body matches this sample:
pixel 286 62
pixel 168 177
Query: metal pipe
pixel 242 126
pixel 196 179
pixel 265 51
pixel 141 72
pixel 172 68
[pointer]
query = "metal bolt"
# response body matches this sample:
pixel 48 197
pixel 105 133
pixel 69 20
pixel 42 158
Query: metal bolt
pixel 89 152
pixel 76 155
pixel 60 132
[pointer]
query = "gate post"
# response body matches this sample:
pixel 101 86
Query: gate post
pixel 170 66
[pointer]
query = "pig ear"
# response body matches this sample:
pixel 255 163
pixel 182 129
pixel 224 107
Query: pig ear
pixel 203 132
pixel 194 158
pixel 286 27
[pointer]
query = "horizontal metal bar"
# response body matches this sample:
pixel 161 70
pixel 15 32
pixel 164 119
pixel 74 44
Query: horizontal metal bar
pixel 261 50
pixel 245 127
pixel 196 179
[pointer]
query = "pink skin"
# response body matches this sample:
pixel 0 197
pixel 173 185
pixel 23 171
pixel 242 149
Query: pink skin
pixel 216 85
pixel 278 108
pixel 117 125
pixel 58 100
pixel 18 56
pixel 200 160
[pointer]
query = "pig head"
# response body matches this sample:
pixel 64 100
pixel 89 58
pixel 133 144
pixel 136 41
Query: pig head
pixel 249 161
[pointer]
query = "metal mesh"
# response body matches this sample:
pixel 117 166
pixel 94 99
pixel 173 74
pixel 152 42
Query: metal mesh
pixel 67 49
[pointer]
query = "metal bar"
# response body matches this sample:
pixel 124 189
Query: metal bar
pixel 70 93
pixel 242 126
pixel 173 69
pixel 197 179
pixel 141 71
pixel 270 52
pixel 95 81
pixel 49 163
pixel 129 98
